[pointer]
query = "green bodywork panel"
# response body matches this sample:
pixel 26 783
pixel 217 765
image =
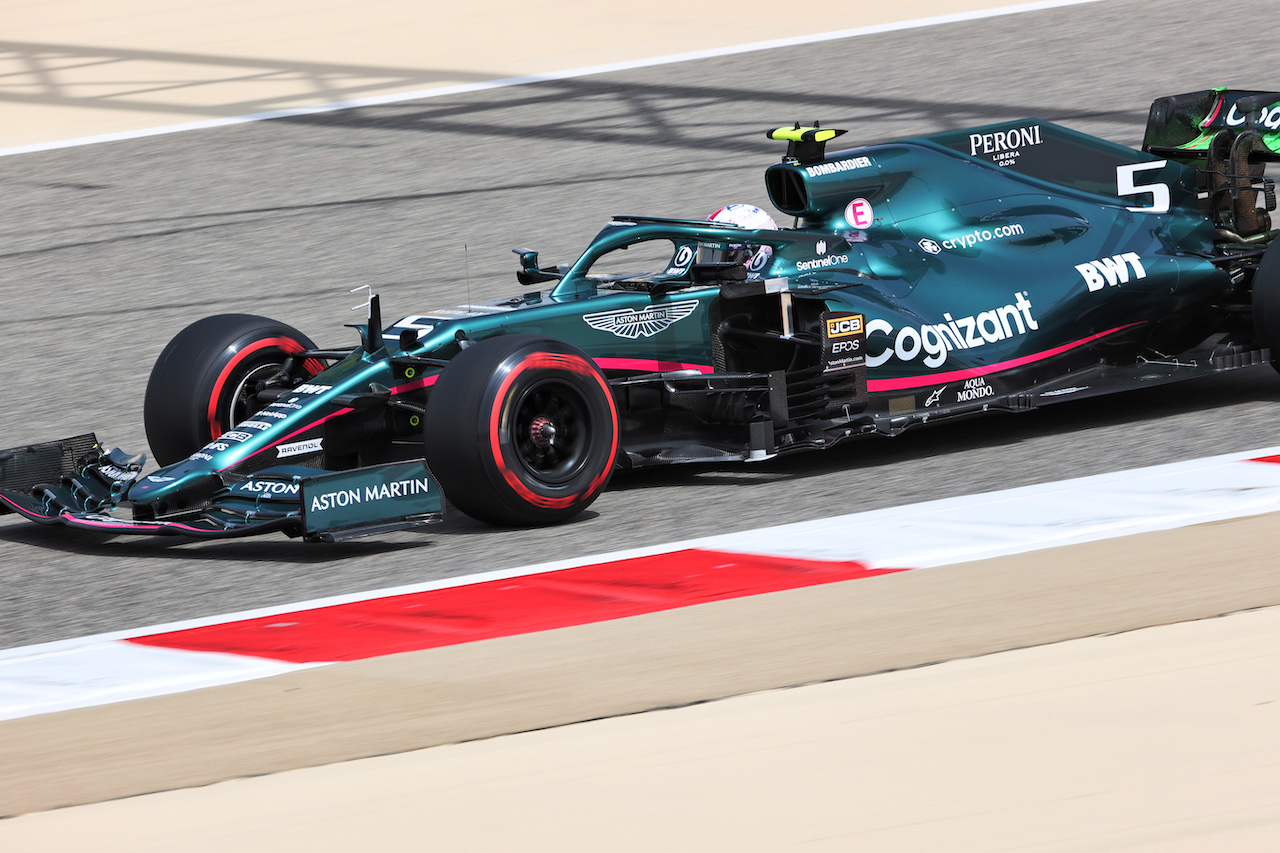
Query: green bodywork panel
pixel 367 496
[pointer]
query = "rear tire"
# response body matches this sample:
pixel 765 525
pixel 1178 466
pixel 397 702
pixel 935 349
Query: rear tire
pixel 521 431
pixel 205 380
pixel 1266 302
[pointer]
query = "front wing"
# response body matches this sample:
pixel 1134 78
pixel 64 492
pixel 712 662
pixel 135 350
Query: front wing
pixel 73 482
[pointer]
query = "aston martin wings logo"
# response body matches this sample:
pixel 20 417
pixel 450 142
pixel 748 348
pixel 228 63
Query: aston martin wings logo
pixel 631 324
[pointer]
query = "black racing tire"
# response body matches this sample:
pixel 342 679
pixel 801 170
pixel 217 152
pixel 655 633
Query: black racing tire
pixel 521 431
pixel 1266 302
pixel 205 380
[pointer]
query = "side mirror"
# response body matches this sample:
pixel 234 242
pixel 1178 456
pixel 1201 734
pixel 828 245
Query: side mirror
pixel 529 272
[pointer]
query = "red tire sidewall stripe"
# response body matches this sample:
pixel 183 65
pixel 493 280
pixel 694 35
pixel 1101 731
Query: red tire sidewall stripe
pixel 558 361
pixel 289 345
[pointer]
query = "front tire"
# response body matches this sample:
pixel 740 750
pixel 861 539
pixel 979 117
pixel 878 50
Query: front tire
pixel 205 381
pixel 521 431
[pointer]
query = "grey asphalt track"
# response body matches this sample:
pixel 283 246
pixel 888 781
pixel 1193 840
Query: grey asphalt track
pixel 107 251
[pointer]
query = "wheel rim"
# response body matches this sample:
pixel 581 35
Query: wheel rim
pixel 550 432
pixel 243 401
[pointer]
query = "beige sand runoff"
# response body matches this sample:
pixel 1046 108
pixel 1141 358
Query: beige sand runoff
pixel 1160 739
pixel 75 68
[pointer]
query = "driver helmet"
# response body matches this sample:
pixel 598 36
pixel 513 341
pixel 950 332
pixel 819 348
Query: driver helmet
pixel 756 258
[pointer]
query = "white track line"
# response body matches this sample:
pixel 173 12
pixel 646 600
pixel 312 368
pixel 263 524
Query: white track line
pixel 465 88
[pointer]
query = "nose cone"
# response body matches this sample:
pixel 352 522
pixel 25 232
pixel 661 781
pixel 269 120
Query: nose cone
pixel 167 482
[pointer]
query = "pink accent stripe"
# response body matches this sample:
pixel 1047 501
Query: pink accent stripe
pixel 416 384
pixel 71 520
pixel 106 525
pixel 327 417
pixel 649 365
pixel 656 366
pixel 1272 459
pixel 504 608
pixel 956 375
pixel 1217 108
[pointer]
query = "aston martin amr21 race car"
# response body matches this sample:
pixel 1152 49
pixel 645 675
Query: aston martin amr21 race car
pixel 996 268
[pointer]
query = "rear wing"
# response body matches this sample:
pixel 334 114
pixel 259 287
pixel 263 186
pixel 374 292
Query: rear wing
pixel 1183 126
pixel 1235 133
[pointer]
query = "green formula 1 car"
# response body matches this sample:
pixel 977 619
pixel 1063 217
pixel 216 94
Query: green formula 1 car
pixel 996 268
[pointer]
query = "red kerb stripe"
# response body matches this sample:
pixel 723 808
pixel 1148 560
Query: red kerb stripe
pixel 502 608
